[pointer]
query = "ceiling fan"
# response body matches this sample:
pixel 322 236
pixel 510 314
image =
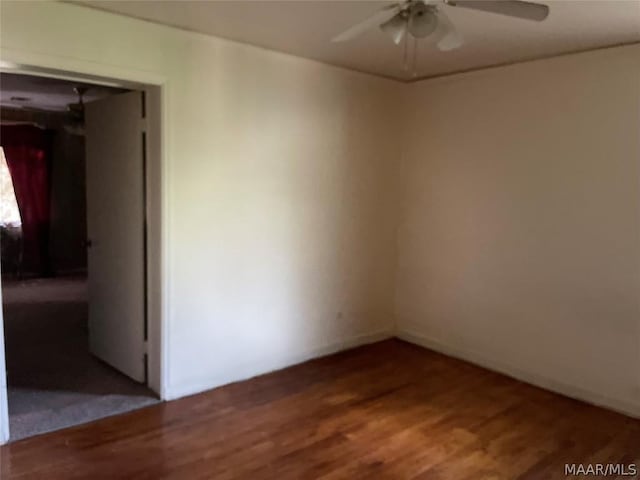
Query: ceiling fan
pixel 419 19
pixel 75 126
pixel 73 119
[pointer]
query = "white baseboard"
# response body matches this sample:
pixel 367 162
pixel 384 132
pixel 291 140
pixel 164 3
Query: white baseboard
pixel 249 371
pixel 621 406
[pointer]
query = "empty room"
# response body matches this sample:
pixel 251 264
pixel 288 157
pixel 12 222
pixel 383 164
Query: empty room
pixel 320 239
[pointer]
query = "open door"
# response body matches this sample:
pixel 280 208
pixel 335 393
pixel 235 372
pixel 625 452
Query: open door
pixel 116 231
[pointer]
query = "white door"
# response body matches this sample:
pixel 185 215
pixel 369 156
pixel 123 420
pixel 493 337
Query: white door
pixel 116 231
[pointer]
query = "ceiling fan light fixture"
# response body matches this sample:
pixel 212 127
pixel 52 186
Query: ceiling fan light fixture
pixel 423 21
pixel 74 129
pixel 396 28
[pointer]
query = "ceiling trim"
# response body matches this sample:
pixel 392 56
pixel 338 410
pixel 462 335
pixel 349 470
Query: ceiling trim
pixel 516 62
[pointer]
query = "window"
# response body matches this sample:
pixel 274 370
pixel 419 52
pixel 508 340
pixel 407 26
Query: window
pixel 9 213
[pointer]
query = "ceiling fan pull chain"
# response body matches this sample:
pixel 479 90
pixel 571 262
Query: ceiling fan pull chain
pixel 414 72
pixel 409 37
pixel 405 57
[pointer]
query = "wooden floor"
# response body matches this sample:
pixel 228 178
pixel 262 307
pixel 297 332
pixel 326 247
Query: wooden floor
pixel 384 411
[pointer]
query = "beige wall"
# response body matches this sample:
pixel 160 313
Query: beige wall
pixel 519 233
pixel 279 187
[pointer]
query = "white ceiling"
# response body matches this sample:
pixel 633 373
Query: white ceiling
pixel 50 94
pixel 304 28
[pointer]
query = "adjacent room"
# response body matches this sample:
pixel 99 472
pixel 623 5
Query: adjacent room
pixel 55 375
pixel 316 239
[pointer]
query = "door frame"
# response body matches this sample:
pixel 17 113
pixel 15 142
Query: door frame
pixel 155 88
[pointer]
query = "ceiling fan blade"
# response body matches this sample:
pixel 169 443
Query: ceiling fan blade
pixel 511 8
pixel 447 36
pixel 27 108
pixel 375 20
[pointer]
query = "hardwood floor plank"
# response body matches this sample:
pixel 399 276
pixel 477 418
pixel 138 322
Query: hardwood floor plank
pixel 387 411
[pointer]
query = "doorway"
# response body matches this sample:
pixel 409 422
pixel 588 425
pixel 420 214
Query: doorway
pixel 74 261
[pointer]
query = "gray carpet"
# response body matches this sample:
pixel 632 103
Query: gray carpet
pixel 54 382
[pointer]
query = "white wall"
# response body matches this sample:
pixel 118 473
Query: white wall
pixel 519 236
pixel 280 186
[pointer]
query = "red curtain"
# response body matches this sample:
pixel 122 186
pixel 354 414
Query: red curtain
pixel 28 153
